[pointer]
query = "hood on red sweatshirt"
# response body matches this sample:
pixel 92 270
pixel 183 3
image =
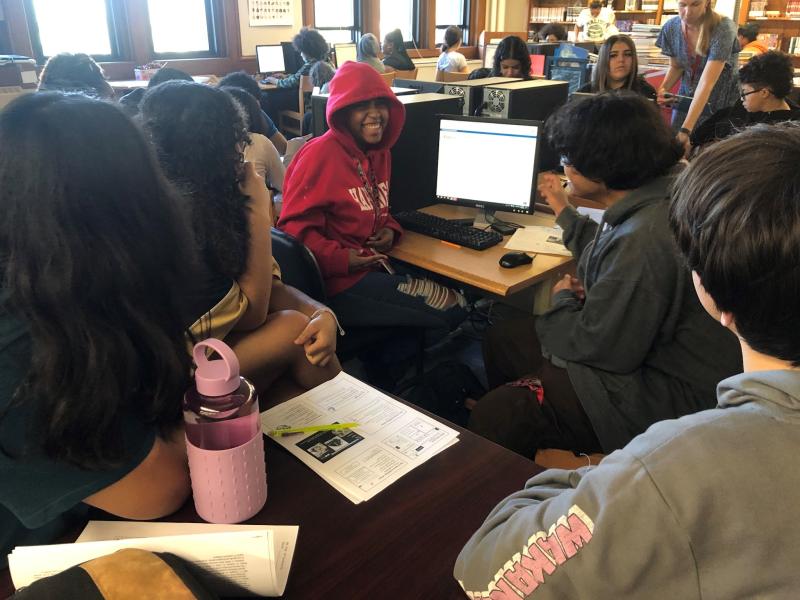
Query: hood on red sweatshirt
pixel 358 82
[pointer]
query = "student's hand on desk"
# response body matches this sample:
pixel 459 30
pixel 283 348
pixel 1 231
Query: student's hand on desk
pixel 319 339
pixel 272 80
pixel 382 241
pixel 358 262
pixel 573 284
pixel 554 194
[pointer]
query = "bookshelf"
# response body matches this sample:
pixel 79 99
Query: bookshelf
pixel 565 12
pixel 771 16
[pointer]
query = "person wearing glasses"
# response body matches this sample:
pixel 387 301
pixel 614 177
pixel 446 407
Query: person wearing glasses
pixel 766 83
pixel 626 343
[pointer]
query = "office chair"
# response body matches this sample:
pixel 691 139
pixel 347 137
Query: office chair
pixel 299 269
pixel 291 121
pixel 389 77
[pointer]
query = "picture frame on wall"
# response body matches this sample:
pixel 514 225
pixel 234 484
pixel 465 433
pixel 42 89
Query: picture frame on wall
pixel 270 13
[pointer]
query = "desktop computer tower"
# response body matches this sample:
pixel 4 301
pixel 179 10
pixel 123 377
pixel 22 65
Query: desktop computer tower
pixel 414 155
pixel 423 87
pixel 530 100
pixel 470 92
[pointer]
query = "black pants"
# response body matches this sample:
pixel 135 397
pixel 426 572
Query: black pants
pixel 513 416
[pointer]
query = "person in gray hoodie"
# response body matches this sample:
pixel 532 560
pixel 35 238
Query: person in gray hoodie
pixel 702 506
pixel 626 343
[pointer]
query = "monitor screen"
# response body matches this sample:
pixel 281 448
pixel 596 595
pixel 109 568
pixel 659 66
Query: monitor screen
pixel 504 175
pixel 292 59
pixel 488 55
pixel 344 52
pixel 270 59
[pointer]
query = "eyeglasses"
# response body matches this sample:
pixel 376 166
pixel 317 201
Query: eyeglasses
pixel 743 95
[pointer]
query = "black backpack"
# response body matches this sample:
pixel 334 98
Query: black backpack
pixel 443 389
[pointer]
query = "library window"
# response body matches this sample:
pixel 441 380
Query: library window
pixel 398 14
pixel 336 20
pixel 72 26
pixel 184 28
pixel 451 12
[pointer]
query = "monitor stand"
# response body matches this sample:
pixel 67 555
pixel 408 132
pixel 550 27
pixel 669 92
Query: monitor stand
pixel 484 218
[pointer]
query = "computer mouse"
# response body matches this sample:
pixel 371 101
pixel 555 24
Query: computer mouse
pixel 515 259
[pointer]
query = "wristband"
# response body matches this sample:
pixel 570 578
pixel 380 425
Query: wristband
pixel 320 311
pixel 685 130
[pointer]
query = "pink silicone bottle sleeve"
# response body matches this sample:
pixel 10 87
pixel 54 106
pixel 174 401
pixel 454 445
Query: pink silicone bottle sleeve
pixel 229 486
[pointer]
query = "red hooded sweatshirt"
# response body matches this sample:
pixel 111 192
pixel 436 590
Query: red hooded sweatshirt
pixel 327 203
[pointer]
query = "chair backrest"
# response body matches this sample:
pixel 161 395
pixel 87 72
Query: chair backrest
pixel 447 76
pixel 299 268
pixel 389 77
pixel 306 86
pixel 412 74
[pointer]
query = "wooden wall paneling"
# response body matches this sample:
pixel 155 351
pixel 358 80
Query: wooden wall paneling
pixel 477 20
pixel 371 17
pixel 308 13
pixel 427 23
pixel 17 23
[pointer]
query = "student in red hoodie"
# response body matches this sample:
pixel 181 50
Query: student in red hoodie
pixel 335 200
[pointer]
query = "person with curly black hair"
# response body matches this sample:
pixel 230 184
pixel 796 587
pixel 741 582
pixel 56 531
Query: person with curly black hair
pixel 553 33
pixel 766 82
pixel 512 59
pixel 199 133
pixel 242 80
pixel 77 72
pixel 313 48
pixel 626 342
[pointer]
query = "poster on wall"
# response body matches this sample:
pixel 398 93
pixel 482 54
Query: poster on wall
pixel 270 13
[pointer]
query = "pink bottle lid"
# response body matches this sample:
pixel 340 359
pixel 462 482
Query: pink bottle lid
pixel 215 377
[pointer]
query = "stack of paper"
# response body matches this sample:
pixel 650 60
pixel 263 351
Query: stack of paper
pixel 238 559
pixel 538 239
pixel 390 440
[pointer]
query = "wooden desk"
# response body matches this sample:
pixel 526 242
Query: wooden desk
pixel 402 543
pixel 478 268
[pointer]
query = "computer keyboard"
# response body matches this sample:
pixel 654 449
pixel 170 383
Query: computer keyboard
pixel 442 229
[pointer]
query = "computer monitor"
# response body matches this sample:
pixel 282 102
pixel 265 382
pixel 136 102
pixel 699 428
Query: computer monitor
pixel 503 176
pixel 488 55
pixel 344 52
pixel 292 59
pixel 270 59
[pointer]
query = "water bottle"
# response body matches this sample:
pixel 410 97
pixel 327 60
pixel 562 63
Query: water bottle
pixel 223 438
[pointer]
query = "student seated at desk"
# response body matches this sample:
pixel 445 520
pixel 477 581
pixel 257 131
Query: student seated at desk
pixel 451 60
pixel 687 509
pixel 512 59
pixel 250 85
pixel 199 134
pixel 77 72
pixel 93 360
pixel 313 48
pixel 766 82
pixel 335 201
pixel 626 343
pixel 618 69
pixel 368 49
pixel 395 55
pixel 259 151
pixel 553 33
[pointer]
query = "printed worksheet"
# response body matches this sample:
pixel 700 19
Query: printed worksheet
pixel 390 439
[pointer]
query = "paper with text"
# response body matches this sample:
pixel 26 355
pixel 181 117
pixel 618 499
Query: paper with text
pixel 538 239
pixel 391 439
pixel 238 560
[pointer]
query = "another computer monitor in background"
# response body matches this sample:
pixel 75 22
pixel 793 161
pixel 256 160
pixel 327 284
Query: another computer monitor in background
pixel 503 176
pixel 488 55
pixel 344 52
pixel 292 60
pixel 270 59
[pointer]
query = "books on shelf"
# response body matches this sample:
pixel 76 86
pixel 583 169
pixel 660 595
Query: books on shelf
pixel 644 38
pixel 794 45
pixel 770 40
pixel 547 14
pixel 793 9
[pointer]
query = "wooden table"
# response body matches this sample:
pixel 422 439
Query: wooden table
pixel 132 84
pixel 402 543
pixel 478 268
